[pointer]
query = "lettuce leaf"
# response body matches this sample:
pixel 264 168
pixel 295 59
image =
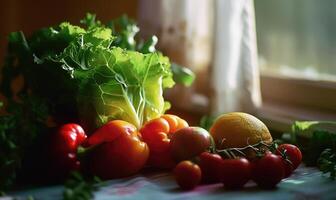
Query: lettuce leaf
pixel 116 83
pixel 88 75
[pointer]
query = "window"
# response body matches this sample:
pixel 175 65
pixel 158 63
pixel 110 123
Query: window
pixel 297 58
pixel 296 51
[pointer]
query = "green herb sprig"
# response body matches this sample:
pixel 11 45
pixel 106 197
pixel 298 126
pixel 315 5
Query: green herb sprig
pixel 79 188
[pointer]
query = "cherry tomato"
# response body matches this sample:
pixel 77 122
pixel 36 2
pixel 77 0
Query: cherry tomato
pixel 211 166
pixel 157 133
pixel 118 150
pixel 292 152
pixel 189 142
pixel 187 175
pixel 268 171
pixel 288 167
pixel 236 172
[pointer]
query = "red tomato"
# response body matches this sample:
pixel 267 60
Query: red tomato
pixel 211 166
pixel 288 167
pixel 156 133
pixel 268 171
pixel 119 152
pixel 292 152
pixel 187 175
pixel 189 142
pixel 236 172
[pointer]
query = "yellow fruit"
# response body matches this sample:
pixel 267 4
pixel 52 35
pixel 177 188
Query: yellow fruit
pixel 237 129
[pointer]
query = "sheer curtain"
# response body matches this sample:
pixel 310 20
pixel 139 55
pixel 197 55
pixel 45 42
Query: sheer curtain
pixel 216 39
pixel 235 73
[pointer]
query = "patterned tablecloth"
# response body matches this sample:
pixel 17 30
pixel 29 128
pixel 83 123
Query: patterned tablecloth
pixel 305 183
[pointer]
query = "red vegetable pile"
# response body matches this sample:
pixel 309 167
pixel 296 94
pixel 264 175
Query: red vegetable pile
pixel 266 170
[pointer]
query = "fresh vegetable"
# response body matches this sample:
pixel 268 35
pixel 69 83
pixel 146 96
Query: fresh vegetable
pixel 187 174
pixel 77 74
pixel 118 84
pixel 64 145
pixel 258 150
pixel 235 172
pixel 82 68
pixel 125 31
pixel 235 130
pixel 79 188
pixel 189 142
pixel 157 133
pixel 118 150
pixel 292 152
pixel 19 132
pixel 288 167
pixel 268 171
pixel 69 137
pixel 314 138
pixel 211 166
pixel 327 162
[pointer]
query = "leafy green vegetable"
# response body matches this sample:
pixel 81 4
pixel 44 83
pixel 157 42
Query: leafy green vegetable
pixel 17 132
pixel 305 129
pixel 78 188
pixel 119 84
pixel 327 162
pixel 83 77
pixel 126 30
pixel 317 140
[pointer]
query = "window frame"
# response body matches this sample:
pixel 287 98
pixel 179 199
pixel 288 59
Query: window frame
pixel 288 99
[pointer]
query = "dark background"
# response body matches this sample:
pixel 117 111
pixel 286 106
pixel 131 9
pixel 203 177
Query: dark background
pixel 29 15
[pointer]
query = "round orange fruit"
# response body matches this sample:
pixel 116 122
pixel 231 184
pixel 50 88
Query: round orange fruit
pixel 237 129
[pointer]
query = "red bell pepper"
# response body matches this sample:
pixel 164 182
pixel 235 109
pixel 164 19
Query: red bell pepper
pixel 64 146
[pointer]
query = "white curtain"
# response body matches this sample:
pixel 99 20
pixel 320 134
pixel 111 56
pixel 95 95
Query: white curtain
pixel 217 39
pixel 235 73
pixel 183 27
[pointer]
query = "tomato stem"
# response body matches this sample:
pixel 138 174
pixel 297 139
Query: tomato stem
pixel 257 148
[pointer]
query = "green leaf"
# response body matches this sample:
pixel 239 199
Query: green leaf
pixel 79 188
pixel 149 45
pixel 125 30
pixel 122 84
pixel 306 129
pixel 182 75
pixel 90 21
pixel 327 162
pixel 317 141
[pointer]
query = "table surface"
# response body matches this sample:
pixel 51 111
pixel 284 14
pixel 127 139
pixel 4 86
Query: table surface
pixel 305 183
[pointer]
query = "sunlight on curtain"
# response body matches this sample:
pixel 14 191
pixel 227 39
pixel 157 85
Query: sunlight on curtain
pixel 216 39
pixel 235 73
pixel 184 28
